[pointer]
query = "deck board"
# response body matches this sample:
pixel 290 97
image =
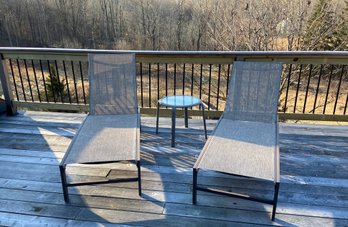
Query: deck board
pixel 314 176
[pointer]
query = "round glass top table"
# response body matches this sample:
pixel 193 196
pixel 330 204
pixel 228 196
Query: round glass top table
pixel 179 101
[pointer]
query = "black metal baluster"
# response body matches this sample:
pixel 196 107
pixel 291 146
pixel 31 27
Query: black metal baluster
pixel 209 86
pixel 183 80
pixel 200 82
pixel 74 78
pixel 328 88
pixel 150 85
pixel 192 74
pixel 83 84
pixel 37 84
pixel 158 81
pixel 67 82
pixel 174 79
pixel 166 79
pixel 141 85
pixel 218 88
pixel 317 91
pixel 338 89
pixel 228 78
pixel 29 84
pixel 14 80
pixel 345 106
pixel 49 70
pixel 20 76
pixel 287 88
pixel 308 83
pixel 44 81
pixel 298 87
pixel 59 82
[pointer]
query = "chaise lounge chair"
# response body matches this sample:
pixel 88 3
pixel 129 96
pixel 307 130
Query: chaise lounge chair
pixel 111 131
pixel 245 140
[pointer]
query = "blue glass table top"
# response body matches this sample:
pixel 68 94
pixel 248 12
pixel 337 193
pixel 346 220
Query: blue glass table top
pixel 180 101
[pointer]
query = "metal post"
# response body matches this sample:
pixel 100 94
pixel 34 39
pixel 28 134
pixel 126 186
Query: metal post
pixel 157 116
pixel 64 184
pixel 194 187
pixel 173 126
pixel 205 125
pixel 139 178
pixel 186 117
pixel 10 108
pixel 275 200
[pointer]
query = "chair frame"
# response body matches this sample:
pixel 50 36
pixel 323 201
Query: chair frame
pixel 196 188
pixel 273 202
pixel 66 184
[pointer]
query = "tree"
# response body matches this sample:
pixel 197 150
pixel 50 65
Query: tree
pixel 55 87
pixel 324 31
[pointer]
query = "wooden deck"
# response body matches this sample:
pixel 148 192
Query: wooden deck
pixel 313 192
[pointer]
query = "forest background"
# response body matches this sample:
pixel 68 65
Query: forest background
pixel 176 24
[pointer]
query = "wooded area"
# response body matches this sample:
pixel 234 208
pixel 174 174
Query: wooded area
pixel 176 24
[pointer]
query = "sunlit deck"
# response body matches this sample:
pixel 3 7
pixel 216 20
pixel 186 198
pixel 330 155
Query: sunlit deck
pixel 313 191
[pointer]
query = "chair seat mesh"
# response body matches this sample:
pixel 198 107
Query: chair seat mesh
pixel 243 148
pixel 245 142
pixel 111 130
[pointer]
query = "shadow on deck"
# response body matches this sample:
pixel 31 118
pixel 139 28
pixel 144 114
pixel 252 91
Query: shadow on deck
pixel 313 192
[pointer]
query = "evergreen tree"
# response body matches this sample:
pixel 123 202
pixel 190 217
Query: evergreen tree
pixel 55 87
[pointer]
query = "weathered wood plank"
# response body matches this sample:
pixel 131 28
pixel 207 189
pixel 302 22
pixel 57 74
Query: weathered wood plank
pixel 34 130
pixel 167 182
pixel 137 205
pixel 313 166
pixel 12 219
pixel 18 122
pixel 175 197
pixel 32 153
pixel 145 219
pixel 42 209
pixel 34 142
pixel 247 216
pixel 32 171
pixel 114 194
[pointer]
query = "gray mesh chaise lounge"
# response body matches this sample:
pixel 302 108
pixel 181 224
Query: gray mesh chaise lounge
pixel 245 140
pixel 111 131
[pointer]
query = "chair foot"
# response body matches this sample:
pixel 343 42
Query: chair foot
pixel 194 186
pixel 275 200
pixel 64 183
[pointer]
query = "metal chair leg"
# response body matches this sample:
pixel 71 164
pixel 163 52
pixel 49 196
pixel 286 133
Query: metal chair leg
pixel 173 126
pixel 64 183
pixel 139 177
pixel 186 117
pixel 194 186
pixel 275 200
pixel 157 117
pixel 205 125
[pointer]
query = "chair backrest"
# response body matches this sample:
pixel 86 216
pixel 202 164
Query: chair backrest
pixel 253 91
pixel 112 84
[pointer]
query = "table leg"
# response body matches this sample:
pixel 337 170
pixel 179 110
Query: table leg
pixel 205 126
pixel 157 117
pixel 173 126
pixel 186 117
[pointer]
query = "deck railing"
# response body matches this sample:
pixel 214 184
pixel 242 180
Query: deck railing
pixel 314 84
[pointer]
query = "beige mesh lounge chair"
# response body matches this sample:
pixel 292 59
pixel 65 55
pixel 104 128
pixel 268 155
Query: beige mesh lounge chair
pixel 245 140
pixel 110 133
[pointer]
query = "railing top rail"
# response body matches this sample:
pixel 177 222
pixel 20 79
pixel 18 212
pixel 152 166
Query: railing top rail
pixel 143 53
